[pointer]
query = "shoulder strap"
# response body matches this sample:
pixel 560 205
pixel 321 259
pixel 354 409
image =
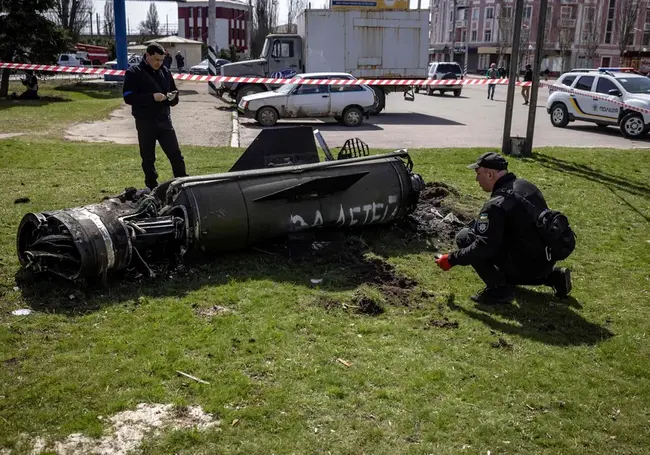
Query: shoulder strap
pixel 533 211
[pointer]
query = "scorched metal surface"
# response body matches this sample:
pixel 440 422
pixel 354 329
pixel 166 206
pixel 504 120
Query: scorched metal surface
pixel 268 194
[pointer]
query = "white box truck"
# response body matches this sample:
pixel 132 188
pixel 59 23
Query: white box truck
pixel 366 44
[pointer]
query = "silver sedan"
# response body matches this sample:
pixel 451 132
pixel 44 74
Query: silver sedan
pixel 348 104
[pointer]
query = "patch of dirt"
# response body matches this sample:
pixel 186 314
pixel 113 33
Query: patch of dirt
pixel 443 324
pixel 369 306
pixel 215 310
pixel 188 117
pixel 439 214
pixel 129 429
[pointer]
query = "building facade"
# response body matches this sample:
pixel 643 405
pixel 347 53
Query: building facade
pixel 231 27
pixel 578 33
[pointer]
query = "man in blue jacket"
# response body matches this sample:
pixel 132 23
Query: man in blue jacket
pixel 150 90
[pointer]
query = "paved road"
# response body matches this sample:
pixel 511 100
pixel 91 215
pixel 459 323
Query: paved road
pixel 468 121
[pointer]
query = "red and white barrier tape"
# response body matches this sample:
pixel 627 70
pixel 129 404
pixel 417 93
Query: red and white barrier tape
pixel 263 80
pixel 271 81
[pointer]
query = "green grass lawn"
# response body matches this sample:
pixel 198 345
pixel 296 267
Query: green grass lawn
pixel 62 103
pixel 542 376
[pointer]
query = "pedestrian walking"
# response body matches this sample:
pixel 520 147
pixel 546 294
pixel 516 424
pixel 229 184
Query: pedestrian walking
pixel 503 244
pixel 167 61
pixel 525 90
pixel 150 90
pixel 180 61
pixel 492 73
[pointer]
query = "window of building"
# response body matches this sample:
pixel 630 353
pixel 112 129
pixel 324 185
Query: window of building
pixel 483 61
pixel 474 36
pixel 585 83
pixel 646 39
pixel 489 12
pixel 506 12
pixel 488 36
pixel 590 13
pixel 198 12
pixel 475 14
pixel 463 36
pixel 611 13
pixel 567 12
pixel 605 85
pixel 647 16
pixel 528 13
pixel 191 32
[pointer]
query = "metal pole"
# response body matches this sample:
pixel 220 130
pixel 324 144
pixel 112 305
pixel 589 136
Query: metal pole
pixel 514 55
pixel 468 17
pixel 119 12
pixel 537 64
pixel 212 23
pixel 453 33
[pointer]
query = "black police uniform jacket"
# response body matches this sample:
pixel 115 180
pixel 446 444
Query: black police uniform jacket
pixel 140 83
pixel 506 233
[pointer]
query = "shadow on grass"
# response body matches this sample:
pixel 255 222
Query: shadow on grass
pixel 93 91
pixel 7 103
pixel 340 260
pixel 541 317
pixel 579 170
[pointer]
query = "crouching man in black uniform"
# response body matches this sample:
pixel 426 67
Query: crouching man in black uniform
pixel 150 89
pixel 503 244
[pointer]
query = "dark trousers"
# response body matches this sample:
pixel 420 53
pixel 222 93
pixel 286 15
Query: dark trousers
pixel 501 271
pixel 150 131
pixel 491 88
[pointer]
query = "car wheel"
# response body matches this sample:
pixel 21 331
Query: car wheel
pixel 429 91
pixel 247 90
pixel 381 101
pixel 352 116
pixel 559 116
pixel 267 116
pixel 456 93
pixel 632 125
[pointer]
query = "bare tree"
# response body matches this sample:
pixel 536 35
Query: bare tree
pixel 505 21
pixel 591 35
pixel 628 13
pixel 71 15
pixel 295 7
pixel 151 25
pixel 524 42
pixel 264 21
pixel 109 18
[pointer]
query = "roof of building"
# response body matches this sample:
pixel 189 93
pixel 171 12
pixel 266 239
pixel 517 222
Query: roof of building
pixel 173 39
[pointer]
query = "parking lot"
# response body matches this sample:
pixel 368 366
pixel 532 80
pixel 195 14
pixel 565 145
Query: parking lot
pixel 471 120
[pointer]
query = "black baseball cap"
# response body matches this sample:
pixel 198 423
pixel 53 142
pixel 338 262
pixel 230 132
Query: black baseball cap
pixel 490 160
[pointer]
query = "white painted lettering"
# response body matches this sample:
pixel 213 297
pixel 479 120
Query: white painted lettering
pixel 375 216
pixel 366 208
pixel 352 212
pixel 318 220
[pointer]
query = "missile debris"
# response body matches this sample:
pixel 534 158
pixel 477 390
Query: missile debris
pixel 277 187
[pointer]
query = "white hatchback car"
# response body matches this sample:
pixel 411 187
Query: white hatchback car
pixel 598 88
pixel 348 104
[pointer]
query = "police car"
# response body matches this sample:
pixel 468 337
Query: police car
pixel 597 98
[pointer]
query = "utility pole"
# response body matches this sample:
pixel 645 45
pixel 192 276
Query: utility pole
pixel 249 29
pixel 97 19
pixel 506 145
pixel 90 16
pixel 212 24
pixel 537 63
pixel 468 17
pixel 453 32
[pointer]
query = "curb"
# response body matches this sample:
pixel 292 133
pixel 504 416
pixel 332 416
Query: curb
pixel 234 138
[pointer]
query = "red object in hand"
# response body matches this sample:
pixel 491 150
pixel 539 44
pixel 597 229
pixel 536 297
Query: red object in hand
pixel 443 262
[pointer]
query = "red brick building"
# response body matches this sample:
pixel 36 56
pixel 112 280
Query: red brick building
pixel 232 22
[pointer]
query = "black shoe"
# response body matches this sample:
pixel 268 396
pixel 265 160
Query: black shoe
pixel 494 295
pixel 561 281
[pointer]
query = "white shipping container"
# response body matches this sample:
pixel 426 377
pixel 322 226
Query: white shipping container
pixel 366 44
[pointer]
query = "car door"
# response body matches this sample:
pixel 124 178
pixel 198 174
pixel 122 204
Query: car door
pixel 309 100
pixel 342 96
pixel 582 103
pixel 285 58
pixel 607 109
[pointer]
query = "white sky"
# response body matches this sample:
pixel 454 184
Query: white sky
pixel 136 11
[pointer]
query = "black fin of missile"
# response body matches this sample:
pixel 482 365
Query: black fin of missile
pixel 316 187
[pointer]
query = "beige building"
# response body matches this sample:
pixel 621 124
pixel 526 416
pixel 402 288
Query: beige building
pixel 190 49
